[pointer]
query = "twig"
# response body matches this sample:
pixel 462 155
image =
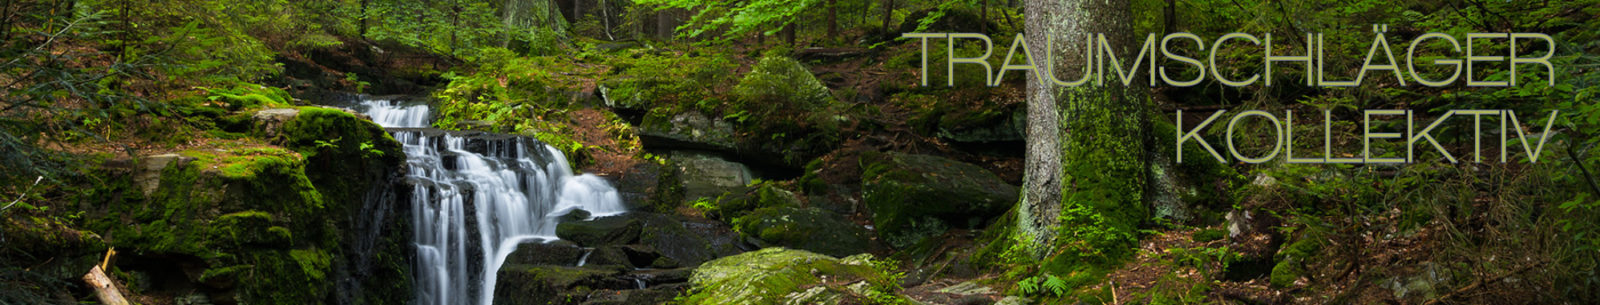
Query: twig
pixel 24 193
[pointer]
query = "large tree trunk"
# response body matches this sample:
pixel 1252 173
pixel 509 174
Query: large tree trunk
pixel 1053 114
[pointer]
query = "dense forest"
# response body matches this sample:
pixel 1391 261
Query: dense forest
pixel 795 152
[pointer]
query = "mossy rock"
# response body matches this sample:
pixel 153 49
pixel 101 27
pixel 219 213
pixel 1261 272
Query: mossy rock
pixel 810 229
pixel 249 215
pixel 918 196
pixel 690 129
pixel 268 224
pixel 779 276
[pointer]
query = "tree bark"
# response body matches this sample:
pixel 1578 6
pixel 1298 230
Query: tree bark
pixel 1041 176
pixel 1051 108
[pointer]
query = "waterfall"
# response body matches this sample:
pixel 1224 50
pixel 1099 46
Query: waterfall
pixel 476 196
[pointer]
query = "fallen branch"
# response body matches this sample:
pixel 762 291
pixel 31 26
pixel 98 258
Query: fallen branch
pixel 24 193
pixel 104 288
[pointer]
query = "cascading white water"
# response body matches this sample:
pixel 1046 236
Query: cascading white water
pixel 503 190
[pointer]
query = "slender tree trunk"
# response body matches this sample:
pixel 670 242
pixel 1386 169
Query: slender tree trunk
pixel 788 33
pixel 1172 16
pixel 983 15
pixel 455 24
pixel 833 18
pixel 363 26
pixel 888 15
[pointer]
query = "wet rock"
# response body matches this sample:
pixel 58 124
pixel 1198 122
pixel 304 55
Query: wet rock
pixel 609 256
pixel 913 197
pixel 808 229
pixel 611 230
pixel 651 187
pixel 575 215
pixel 688 242
pixel 560 253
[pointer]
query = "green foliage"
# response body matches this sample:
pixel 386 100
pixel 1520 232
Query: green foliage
pixel 1047 283
pixel 466 29
pixel 734 18
pixel 677 82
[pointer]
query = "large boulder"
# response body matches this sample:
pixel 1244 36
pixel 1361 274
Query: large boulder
pixel 810 229
pixel 913 197
pixel 785 276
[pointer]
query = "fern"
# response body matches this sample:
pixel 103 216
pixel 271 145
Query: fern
pixel 1055 284
pixel 1028 286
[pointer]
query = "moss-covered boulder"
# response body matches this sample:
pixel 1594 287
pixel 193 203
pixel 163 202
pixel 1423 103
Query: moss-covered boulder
pixel 787 115
pixel 785 276
pixel 913 197
pixel 810 229
pixel 249 218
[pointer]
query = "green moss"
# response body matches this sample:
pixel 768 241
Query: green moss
pixel 913 197
pixel 733 205
pixel 811 229
pixel 1209 235
pixel 246 96
pixel 1286 272
pixel 776 276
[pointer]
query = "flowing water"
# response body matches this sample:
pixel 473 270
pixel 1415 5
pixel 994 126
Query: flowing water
pixel 476 196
